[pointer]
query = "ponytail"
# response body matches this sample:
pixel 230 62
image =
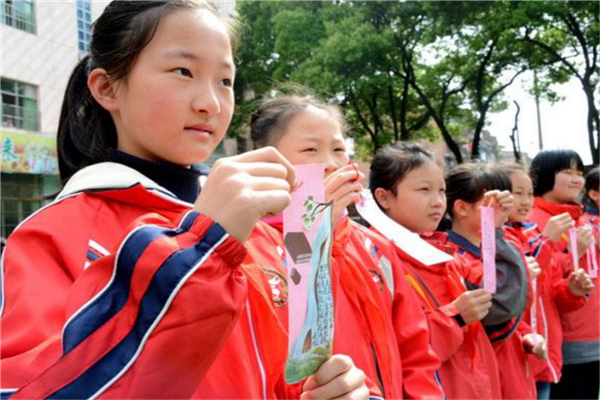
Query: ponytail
pixel 86 130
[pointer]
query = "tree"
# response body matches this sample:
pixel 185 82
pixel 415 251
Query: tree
pixel 405 70
pixel 567 37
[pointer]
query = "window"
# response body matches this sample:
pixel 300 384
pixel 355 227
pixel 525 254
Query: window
pixel 84 21
pixel 19 14
pixel 19 105
pixel 22 195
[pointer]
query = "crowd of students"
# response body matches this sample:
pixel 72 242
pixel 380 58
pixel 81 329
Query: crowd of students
pixel 138 283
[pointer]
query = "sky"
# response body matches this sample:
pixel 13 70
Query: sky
pixel 563 124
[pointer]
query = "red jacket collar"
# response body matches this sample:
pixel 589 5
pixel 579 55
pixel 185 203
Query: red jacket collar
pixel 573 209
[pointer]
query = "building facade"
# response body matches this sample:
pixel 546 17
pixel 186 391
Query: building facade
pixel 41 41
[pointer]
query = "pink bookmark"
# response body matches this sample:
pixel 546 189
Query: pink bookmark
pixel 534 311
pixel 488 249
pixel 592 260
pixel 573 248
pixel 308 235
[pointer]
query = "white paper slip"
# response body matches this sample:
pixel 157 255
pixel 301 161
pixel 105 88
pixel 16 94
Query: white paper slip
pixel 406 240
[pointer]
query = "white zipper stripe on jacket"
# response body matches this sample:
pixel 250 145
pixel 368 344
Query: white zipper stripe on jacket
pixel 546 336
pixel 96 246
pixel 258 359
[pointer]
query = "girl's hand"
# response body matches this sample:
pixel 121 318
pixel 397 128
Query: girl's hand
pixel 584 239
pixel 241 190
pixel 336 378
pixel 536 344
pixel 473 305
pixel 502 202
pixel 580 283
pixel 557 225
pixel 534 267
pixel 343 187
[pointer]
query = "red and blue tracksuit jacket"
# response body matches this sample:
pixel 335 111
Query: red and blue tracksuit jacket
pixel 581 328
pixel 512 293
pixel 119 290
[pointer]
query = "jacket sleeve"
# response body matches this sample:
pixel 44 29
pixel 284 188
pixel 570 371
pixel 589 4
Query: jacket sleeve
pixel 149 319
pixel 565 300
pixel 445 333
pixel 419 361
pixel 35 285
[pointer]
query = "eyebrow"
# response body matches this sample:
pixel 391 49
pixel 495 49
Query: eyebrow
pixel 317 138
pixel 180 53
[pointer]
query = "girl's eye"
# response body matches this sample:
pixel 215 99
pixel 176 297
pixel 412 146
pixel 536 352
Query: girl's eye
pixel 183 72
pixel 227 82
pixel 340 150
pixel 310 150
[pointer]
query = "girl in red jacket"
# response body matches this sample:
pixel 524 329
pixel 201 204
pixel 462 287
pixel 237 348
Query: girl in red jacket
pixel 133 284
pixel 306 130
pixel 555 294
pixel 557 177
pixel 408 184
pixel 467 185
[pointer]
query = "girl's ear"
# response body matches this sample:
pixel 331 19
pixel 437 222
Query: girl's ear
pixel 103 89
pixel 461 208
pixel 383 197
pixel 594 195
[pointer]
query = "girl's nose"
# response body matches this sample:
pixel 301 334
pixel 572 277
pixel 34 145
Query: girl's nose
pixel 439 200
pixel 330 167
pixel 207 101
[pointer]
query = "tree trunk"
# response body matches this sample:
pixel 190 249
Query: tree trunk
pixel 593 123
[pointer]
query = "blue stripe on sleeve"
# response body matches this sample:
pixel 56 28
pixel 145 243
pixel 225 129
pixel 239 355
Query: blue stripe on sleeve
pixel 163 288
pixel 112 299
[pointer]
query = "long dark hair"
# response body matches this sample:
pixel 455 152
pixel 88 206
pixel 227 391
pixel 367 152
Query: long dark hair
pixel 86 131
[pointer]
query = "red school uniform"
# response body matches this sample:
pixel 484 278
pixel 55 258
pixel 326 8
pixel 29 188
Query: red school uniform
pixel 515 375
pixel 553 298
pixel 420 364
pixel 581 328
pixel 469 369
pixel 363 330
pixel 107 278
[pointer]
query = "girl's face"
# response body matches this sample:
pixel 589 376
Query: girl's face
pixel 568 184
pixel 420 200
pixel 176 103
pixel 314 137
pixel 523 196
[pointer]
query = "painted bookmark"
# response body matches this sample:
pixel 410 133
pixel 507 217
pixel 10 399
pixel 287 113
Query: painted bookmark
pixel 488 249
pixel 308 234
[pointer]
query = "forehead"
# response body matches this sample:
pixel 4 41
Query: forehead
pixel 520 178
pixel 194 29
pixel 315 123
pixel 427 172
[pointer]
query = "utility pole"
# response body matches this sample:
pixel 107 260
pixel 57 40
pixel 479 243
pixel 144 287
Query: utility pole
pixel 537 108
